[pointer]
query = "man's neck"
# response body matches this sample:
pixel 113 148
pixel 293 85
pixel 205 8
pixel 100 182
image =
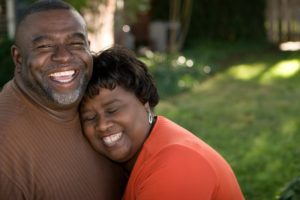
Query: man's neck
pixel 62 113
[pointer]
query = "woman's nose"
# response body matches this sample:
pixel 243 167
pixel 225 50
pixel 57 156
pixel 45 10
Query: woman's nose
pixel 103 124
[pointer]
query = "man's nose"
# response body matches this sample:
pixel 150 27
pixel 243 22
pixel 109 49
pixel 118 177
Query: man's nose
pixel 62 54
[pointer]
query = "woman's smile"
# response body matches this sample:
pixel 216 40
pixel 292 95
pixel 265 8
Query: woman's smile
pixel 112 140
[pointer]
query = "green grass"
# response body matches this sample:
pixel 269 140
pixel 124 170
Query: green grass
pixel 248 110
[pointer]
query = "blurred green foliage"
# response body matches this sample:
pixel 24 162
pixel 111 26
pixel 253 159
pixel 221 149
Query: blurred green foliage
pixel 177 73
pixel 291 191
pixel 6 63
pixel 228 20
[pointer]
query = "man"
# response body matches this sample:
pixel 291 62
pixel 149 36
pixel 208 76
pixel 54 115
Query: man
pixel 43 154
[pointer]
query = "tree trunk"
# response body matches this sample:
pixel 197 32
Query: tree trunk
pixel 180 15
pixel 100 20
pixel 174 23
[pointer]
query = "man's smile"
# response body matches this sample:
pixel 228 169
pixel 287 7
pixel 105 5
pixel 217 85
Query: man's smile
pixel 63 76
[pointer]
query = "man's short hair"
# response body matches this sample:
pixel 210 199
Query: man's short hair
pixel 44 5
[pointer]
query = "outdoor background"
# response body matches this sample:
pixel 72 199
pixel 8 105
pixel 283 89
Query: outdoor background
pixel 227 70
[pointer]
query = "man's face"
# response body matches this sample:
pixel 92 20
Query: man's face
pixel 52 58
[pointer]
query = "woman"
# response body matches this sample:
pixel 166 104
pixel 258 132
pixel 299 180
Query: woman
pixel 164 160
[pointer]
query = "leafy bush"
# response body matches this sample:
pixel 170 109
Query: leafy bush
pixel 6 63
pixel 291 191
pixel 174 73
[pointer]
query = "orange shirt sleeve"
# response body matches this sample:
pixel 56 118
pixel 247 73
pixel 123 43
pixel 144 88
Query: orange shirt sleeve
pixel 177 173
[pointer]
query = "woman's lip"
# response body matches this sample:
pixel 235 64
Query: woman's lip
pixel 111 140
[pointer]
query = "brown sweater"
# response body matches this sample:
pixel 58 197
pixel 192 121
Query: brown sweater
pixel 44 158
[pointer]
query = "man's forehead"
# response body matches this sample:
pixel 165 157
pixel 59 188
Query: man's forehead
pixel 53 22
pixel 51 14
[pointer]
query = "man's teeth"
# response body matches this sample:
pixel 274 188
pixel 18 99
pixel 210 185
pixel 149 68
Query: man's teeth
pixel 111 139
pixel 64 73
pixel 63 77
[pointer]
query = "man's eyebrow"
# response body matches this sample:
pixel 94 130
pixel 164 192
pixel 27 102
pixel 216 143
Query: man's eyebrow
pixel 39 38
pixel 78 35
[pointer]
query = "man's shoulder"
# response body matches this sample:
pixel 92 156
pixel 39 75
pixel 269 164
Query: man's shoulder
pixel 12 109
pixel 11 98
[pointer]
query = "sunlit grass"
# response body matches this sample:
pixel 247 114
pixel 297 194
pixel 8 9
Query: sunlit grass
pixel 247 72
pixel 282 70
pixel 267 74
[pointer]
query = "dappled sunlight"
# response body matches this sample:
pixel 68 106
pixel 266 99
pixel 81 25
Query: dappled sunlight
pixel 282 70
pixel 209 85
pixel 290 46
pixel 182 61
pixel 246 72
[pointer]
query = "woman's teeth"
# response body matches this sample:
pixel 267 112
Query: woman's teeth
pixel 111 139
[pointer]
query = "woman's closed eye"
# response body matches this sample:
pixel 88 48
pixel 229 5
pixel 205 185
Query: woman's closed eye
pixel 88 117
pixel 111 110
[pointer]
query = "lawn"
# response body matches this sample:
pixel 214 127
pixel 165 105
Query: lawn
pixel 243 101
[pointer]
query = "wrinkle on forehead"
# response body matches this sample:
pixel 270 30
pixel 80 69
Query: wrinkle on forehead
pixel 48 14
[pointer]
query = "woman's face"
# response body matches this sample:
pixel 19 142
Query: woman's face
pixel 116 123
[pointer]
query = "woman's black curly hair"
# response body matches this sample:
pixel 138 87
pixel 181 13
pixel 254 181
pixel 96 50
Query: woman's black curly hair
pixel 118 66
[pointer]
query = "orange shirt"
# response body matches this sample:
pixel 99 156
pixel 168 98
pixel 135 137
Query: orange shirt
pixel 175 164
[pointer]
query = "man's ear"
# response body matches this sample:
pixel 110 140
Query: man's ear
pixel 17 57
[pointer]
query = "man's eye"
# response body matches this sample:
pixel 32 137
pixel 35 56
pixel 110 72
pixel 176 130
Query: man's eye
pixel 45 46
pixel 77 44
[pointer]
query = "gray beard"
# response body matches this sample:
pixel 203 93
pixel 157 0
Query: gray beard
pixel 62 99
pixel 67 98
